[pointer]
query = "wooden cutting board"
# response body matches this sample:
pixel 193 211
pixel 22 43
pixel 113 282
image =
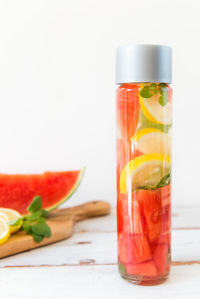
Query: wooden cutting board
pixel 61 222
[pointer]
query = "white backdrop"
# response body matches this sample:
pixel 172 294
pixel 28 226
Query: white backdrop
pixel 57 86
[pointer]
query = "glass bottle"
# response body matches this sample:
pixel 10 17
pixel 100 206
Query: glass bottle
pixel 144 119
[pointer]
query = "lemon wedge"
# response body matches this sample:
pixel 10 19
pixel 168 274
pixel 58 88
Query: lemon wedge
pixel 145 170
pixel 155 112
pixel 4 231
pixel 152 141
pixel 12 215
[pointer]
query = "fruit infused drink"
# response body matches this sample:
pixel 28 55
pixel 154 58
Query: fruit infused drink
pixel 144 119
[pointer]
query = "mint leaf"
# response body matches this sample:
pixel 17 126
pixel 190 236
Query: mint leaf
pixel 44 213
pixel 164 181
pixel 15 222
pixel 48 231
pixel 161 85
pixel 37 238
pixel 163 99
pixel 26 227
pixel 145 92
pixel 33 217
pixel 153 88
pixel 35 223
pixel 36 204
pixel 41 228
pixel 149 90
pixel 41 214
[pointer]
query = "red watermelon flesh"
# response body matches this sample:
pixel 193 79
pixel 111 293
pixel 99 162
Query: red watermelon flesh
pixel 17 191
pixel 143 269
pixel 127 109
pixel 161 258
pixel 130 218
pixel 133 248
pixel 152 208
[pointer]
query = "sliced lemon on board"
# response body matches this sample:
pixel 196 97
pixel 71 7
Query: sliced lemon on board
pixel 4 217
pixel 155 112
pixel 12 215
pixel 145 170
pixel 4 231
pixel 152 141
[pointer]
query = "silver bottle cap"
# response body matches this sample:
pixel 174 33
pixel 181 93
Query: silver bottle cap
pixel 144 63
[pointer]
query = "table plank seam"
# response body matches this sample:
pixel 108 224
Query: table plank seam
pixel 114 231
pixel 177 263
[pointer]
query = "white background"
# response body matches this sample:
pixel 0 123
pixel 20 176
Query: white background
pixel 57 86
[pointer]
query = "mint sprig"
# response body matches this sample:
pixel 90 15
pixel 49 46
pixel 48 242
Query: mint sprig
pixel 166 179
pixel 163 182
pixel 150 90
pixel 35 223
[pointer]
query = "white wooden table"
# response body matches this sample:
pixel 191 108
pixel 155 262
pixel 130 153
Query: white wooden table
pixel 85 266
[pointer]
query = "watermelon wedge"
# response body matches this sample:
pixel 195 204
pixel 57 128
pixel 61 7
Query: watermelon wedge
pixel 18 190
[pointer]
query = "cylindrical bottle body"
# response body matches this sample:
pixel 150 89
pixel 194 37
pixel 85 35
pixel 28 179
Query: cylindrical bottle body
pixel 144 119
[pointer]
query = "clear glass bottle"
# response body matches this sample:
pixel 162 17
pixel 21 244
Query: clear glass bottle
pixel 144 119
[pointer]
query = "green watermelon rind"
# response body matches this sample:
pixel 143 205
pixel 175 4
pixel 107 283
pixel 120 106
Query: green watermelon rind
pixel 68 195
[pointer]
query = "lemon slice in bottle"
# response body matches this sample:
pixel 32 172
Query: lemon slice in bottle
pixel 155 112
pixel 12 215
pixel 4 231
pixel 152 141
pixel 145 170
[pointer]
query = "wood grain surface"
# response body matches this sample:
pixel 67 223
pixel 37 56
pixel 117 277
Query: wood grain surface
pixel 85 265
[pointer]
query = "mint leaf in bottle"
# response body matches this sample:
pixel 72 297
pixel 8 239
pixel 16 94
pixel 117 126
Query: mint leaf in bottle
pixel 145 92
pixel 163 99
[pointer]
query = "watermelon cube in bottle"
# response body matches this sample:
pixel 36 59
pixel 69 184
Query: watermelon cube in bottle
pixel 144 119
